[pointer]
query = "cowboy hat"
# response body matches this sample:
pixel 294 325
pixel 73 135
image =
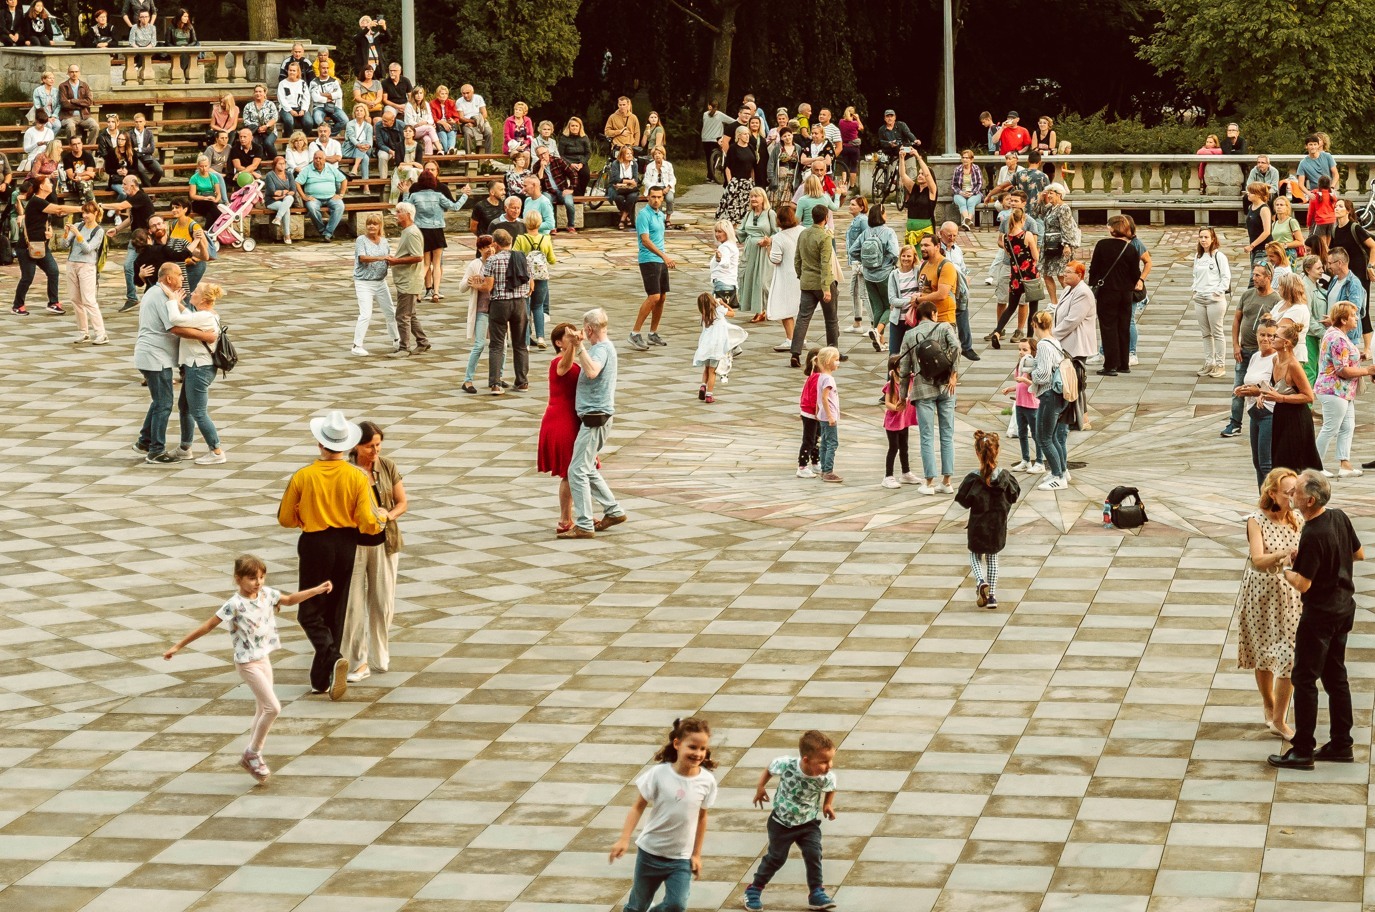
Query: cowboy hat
pixel 335 432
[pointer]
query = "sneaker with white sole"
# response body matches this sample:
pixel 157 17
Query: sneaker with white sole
pixel 1230 431
pixel 1036 468
pixel 182 452
pixel 1205 370
pixel 1053 483
pixel 783 346
pixel 82 339
pixel 944 488
pixel 1132 360
pixel 101 340
pixel 654 339
pixel 910 478
pixel 891 482
pixel 355 676
pixel 212 458
pixel 637 342
pixel 359 350
pixel 1218 371
pixel 925 489
pixel 854 328
pixel 805 472
pixel 1350 473
pixel 1021 466
pixel 816 469
pixel 1095 359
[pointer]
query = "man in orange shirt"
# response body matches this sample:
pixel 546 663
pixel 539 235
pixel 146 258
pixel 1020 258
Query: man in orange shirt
pixel 331 502
pixel 937 279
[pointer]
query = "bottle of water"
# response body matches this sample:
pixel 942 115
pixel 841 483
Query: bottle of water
pixel 1107 515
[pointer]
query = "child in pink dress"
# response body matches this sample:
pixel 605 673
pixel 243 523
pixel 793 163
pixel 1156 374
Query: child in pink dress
pixel 1025 408
pixel 897 418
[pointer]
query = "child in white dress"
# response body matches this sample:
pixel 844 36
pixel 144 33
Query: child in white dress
pixel 253 631
pixel 718 341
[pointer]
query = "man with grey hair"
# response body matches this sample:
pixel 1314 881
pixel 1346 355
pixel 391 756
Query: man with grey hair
pixel 408 269
pixel 501 279
pixel 1320 569
pixel 595 404
pixel 950 249
pixel 155 356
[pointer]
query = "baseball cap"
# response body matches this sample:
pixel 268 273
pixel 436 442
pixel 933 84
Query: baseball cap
pixel 890 113
pixel 1014 114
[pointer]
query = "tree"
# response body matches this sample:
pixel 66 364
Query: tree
pixel 262 20
pixel 1273 60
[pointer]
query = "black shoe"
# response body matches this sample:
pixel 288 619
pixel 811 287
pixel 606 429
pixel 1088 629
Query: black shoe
pixel 1368 465
pixel 795 361
pixel 163 458
pixel 469 388
pixel 1106 373
pixel 1124 370
pixel 844 357
pixel 1291 760
pixel 1329 754
pixel 971 355
pixel 128 305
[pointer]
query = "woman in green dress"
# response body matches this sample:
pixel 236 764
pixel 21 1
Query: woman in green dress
pixel 756 232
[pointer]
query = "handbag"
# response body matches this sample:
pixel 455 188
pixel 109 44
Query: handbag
pixel 36 249
pixel 1125 515
pixel 1034 289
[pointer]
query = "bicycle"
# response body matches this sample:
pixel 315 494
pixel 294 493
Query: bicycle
pixel 1365 216
pixel 888 179
pixel 601 184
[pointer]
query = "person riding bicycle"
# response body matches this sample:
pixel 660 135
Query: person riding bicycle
pixel 894 134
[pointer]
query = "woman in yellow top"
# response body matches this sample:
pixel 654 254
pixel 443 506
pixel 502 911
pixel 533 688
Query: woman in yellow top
pixel 331 502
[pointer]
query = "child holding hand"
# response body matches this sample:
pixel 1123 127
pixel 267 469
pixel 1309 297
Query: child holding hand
pixel 806 792
pixel 1025 409
pixel 253 632
pixel 677 790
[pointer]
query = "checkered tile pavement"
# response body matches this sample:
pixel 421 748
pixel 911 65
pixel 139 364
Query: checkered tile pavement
pixel 1089 746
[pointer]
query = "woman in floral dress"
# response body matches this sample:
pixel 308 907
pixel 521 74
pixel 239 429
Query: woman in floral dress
pixel 1061 237
pixel 739 165
pixel 758 227
pixel 1268 608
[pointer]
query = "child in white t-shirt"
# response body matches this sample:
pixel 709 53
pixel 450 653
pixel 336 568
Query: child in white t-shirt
pixel 253 632
pixel 677 790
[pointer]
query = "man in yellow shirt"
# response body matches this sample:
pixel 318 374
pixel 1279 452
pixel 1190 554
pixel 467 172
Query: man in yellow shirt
pixel 331 502
pixel 938 279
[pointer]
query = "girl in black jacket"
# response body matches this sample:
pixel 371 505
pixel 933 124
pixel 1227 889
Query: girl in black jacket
pixel 988 494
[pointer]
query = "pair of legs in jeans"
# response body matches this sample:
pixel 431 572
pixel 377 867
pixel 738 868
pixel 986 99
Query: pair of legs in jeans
pixel 828 442
pixel 807 838
pixel 653 871
pixel 28 268
pixel 936 415
pixel 585 481
pixel 968 206
pixel 193 406
pixel 1238 403
pixel 1026 433
pixel 152 437
pixel 537 309
pixel 1052 433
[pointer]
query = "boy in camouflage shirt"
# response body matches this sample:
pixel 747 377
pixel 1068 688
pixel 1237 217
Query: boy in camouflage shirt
pixel 806 791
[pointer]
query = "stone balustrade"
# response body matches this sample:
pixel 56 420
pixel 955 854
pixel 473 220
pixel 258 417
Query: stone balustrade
pixel 215 67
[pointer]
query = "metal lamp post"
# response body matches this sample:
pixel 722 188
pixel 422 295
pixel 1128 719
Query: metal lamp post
pixel 408 38
pixel 949 63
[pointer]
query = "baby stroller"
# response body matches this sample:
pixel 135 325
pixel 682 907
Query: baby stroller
pixel 234 226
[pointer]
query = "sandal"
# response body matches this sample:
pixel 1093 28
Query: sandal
pixel 562 527
pixel 995 340
pixel 759 318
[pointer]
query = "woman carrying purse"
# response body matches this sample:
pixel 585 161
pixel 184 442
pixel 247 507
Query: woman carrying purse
pixel 34 252
pixel 1022 254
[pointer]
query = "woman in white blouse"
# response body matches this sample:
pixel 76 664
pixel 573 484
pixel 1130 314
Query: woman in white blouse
pixel 417 114
pixel 1293 307
pixel 198 372
pixel 297 154
pixel 659 173
pixel 293 99
pixel 1211 283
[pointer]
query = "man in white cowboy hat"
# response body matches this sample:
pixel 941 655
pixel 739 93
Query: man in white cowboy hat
pixel 330 501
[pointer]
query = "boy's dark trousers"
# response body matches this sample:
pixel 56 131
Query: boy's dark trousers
pixel 807 837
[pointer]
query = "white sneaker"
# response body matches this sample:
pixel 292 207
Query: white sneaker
pixel 1205 370
pixel 783 346
pixel 1021 466
pixel 353 677
pixel 1217 371
pixel 1052 484
pixel 816 469
pixel 926 489
pixel 890 482
pixel 988 281
pixel 212 458
pixel 805 472
pixel 1328 474
pixel 944 488
pixel 182 452
pixel 359 350
pixel 1036 468
pixel 910 478
pixel 1132 361
pixel 82 339
pixel 1095 359
pixel 854 328
pixel 1350 473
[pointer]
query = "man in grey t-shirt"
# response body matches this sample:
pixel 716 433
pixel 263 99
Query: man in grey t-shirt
pixel 1260 298
pixel 155 356
pixel 596 403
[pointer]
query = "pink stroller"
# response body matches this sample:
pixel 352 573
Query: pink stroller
pixel 235 222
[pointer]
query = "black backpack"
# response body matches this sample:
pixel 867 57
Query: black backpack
pixel 933 361
pixel 223 356
pixel 1126 515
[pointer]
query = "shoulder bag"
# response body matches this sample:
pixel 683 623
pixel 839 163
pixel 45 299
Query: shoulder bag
pixel 1034 288
pixel 36 249
pixel 1097 286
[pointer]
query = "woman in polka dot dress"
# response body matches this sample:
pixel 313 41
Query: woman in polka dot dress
pixel 1268 606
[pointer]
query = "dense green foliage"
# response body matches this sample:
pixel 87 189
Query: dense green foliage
pixel 1098 134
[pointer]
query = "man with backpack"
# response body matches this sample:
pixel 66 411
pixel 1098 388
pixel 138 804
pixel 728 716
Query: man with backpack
pixel 951 250
pixel 929 362
pixel 507 278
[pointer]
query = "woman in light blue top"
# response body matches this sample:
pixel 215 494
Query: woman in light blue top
pixel 358 141
pixel 859 212
pixel 430 206
pixel 813 194
pixel 370 254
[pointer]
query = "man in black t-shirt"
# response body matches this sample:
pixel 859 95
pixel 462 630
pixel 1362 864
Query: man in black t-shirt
pixel 396 89
pixel 1320 569
pixel 140 207
pixel 78 165
pixel 488 209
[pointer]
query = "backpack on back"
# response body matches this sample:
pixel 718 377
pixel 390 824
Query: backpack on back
pixel 223 356
pixel 1066 379
pixel 933 362
pixel 871 252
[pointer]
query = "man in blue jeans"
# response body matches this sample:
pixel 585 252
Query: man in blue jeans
pixel 323 185
pixel 1256 300
pixel 155 356
pixel 596 403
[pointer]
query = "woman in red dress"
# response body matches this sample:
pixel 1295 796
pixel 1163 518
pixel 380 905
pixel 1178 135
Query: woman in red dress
pixel 559 428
